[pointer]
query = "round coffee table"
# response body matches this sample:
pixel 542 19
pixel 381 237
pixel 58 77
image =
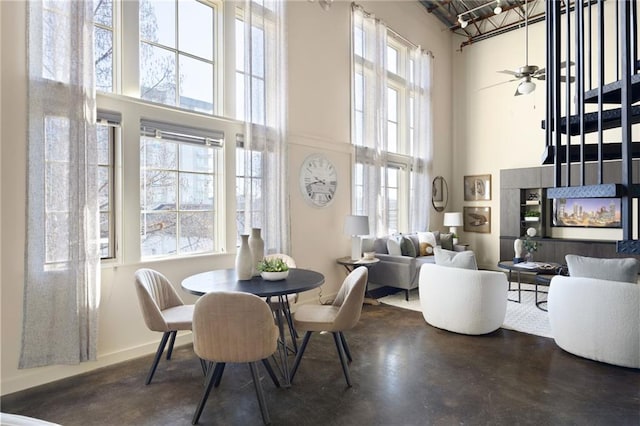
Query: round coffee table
pixel 537 268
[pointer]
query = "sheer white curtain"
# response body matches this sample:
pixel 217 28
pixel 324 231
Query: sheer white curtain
pixel 266 205
pixel 373 152
pixel 371 148
pixel 62 253
pixel 422 139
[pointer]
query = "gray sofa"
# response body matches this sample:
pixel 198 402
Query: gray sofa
pixel 398 271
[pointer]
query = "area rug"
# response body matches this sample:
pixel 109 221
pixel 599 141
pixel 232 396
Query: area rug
pixel 524 317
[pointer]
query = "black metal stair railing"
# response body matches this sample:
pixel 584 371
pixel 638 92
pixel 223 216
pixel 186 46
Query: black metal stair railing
pixel 582 112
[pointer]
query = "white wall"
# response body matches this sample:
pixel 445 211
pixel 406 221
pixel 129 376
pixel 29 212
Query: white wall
pixel 319 117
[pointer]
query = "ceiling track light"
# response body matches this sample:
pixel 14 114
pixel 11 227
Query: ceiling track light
pixel 464 22
pixel 498 9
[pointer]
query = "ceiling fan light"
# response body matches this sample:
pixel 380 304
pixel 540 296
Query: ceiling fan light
pixel 526 87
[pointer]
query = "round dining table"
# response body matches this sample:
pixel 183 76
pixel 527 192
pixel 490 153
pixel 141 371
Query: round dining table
pixel 297 281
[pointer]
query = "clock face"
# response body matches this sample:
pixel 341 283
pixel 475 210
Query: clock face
pixel 318 180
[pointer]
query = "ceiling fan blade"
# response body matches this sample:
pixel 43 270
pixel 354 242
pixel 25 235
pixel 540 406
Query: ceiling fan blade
pixel 562 78
pixel 498 84
pixel 508 72
pixel 564 63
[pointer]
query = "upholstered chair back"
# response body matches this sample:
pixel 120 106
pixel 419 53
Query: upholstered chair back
pixel 233 327
pixel 349 299
pixel 155 294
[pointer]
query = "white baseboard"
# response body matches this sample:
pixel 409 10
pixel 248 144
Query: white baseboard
pixel 33 377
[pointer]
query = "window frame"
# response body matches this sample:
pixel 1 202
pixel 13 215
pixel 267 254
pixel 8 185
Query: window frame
pixel 125 100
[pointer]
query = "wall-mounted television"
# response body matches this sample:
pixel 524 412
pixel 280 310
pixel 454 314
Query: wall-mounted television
pixel 586 212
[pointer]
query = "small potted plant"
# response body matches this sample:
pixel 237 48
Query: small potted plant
pixel 273 269
pixel 530 246
pixel 531 215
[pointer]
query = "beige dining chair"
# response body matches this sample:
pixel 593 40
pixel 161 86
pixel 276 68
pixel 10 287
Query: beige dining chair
pixel 163 310
pixel 234 327
pixel 343 314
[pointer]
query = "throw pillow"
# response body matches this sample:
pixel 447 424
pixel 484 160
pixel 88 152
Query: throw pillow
pixel 428 237
pixel 393 247
pixel 426 249
pixel 446 241
pixel 455 259
pixel 407 248
pixel 625 269
pixel 416 243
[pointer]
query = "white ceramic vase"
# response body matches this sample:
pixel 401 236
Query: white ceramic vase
pixel 518 246
pixel 256 245
pixel 244 259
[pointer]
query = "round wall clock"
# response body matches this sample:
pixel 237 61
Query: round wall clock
pixel 318 180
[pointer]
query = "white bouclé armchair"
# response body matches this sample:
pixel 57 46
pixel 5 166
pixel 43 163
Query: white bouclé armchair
pixel 461 300
pixel 596 319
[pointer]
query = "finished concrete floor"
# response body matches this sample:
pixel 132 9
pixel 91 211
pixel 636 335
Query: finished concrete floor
pixel 404 371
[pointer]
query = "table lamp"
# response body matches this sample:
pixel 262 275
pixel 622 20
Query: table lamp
pixel 356 226
pixel 453 220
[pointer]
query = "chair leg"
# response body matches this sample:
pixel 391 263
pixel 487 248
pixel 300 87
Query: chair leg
pixel 161 346
pixel 261 400
pixel 341 355
pixel 292 329
pixel 205 396
pixel 345 346
pixel 406 295
pixel 272 374
pixel 217 372
pixel 171 342
pixel 204 366
pixel 296 363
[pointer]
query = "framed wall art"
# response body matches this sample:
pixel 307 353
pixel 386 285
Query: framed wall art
pixel 477 188
pixel 477 219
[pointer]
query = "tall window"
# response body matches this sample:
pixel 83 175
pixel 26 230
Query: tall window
pixel 103 44
pixel 260 88
pixel 179 177
pixel 390 132
pixel 177 53
pixel 176 44
pixel 107 132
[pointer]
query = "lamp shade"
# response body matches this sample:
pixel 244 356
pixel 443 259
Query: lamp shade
pixel 452 219
pixel 526 87
pixel 356 225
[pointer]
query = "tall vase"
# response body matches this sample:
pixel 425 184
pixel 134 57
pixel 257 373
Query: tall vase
pixel 256 244
pixel 244 260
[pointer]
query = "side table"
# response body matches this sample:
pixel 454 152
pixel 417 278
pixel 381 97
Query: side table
pixel 351 264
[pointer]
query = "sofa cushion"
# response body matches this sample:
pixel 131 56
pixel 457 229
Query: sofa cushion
pixel 624 270
pixel 407 248
pixel 380 245
pixel 455 259
pixel 446 241
pixel 393 246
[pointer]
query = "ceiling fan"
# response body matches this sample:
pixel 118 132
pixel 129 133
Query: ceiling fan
pixel 527 73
